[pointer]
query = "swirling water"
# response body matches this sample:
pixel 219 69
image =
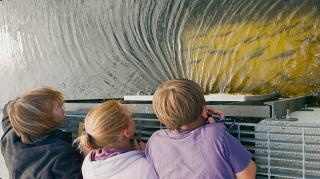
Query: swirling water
pixel 107 49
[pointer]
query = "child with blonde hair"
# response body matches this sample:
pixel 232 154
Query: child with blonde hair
pixel 109 128
pixel 190 148
pixel 31 144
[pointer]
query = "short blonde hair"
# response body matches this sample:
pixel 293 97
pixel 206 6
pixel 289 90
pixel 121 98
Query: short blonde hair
pixel 104 124
pixel 31 114
pixel 178 102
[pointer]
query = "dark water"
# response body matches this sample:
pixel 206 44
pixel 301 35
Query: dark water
pixel 107 49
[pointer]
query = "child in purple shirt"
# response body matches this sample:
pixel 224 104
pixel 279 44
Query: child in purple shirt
pixel 189 148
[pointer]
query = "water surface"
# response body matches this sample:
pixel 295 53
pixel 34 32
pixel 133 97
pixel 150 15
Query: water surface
pixel 107 49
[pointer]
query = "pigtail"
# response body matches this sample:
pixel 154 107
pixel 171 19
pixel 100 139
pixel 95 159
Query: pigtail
pixel 86 140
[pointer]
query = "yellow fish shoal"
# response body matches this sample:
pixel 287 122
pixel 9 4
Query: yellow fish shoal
pixel 259 58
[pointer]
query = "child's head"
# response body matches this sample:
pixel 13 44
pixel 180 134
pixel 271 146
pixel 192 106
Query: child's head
pixel 31 114
pixel 104 124
pixel 178 102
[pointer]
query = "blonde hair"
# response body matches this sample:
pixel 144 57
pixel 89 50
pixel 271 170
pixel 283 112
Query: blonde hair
pixel 103 125
pixel 178 102
pixel 31 114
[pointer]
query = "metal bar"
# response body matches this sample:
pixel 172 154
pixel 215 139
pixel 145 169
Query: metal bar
pixel 288 167
pixel 285 151
pixel 279 107
pixel 76 113
pixel 284 174
pixel 239 132
pixel 145 119
pixel 243 110
pixel 303 154
pixel 257 125
pixel 229 110
pixel 288 159
pixel 68 126
pixel 277 126
pixel 274 109
pixel 139 130
pixel 83 107
pixel 280 142
pixel 212 97
pixel 269 160
pixel 278 134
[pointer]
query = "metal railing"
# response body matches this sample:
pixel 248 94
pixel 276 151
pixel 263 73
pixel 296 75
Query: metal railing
pixel 72 125
pixel 280 151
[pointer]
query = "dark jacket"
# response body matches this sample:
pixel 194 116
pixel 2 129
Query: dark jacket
pixel 53 157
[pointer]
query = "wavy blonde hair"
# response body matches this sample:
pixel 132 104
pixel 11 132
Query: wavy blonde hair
pixel 31 114
pixel 103 125
pixel 178 102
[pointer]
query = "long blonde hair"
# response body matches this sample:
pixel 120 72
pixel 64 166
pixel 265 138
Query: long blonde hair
pixel 31 114
pixel 103 125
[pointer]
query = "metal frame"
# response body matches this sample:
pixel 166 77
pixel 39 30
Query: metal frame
pixel 253 106
pixel 279 108
pixel 211 97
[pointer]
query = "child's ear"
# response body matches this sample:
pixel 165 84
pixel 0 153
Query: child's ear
pixel 126 133
pixel 204 112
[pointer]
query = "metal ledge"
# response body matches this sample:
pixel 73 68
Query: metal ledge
pixel 254 106
pixel 279 108
pixel 211 97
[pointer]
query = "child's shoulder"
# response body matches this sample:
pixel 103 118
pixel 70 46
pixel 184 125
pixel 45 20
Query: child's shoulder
pixel 159 133
pixel 214 128
pixel 157 136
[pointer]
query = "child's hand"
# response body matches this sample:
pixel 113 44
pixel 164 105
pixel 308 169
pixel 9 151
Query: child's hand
pixel 216 113
pixel 142 146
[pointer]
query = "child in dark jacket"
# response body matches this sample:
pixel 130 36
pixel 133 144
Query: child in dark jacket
pixel 31 145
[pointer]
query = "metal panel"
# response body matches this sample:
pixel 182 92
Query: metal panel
pixel 279 107
pixel 140 108
pixel 211 97
pixel 80 106
pixel 243 110
pixel 229 110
